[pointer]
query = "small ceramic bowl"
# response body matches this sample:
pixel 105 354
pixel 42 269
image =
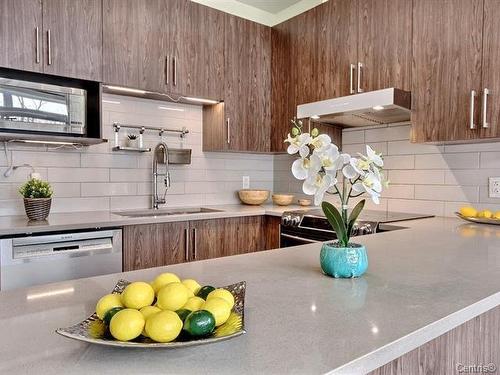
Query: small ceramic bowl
pixel 253 197
pixel 305 202
pixel 282 199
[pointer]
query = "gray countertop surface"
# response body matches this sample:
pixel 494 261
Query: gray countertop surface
pixel 421 282
pixel 102 219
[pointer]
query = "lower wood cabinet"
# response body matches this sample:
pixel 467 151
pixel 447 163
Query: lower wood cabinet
pixel 155 245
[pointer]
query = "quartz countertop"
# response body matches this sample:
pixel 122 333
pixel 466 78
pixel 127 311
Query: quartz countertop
pixel 104 219
pixel 421 282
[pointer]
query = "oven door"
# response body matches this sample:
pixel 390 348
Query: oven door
pixel 295 236
pixel 37 107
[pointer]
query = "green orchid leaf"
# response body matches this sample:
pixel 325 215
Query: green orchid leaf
pixel 335 219
pixel 354 216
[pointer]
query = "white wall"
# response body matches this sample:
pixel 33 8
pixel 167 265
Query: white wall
pixel 96 178
pixel 424 178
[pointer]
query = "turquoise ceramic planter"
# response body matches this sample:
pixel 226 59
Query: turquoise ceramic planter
pixel 343 262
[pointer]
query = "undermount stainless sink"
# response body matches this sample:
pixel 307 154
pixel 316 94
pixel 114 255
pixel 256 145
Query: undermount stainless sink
pixel 167 211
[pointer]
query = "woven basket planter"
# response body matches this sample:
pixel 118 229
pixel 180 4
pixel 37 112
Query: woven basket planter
pixel 37 208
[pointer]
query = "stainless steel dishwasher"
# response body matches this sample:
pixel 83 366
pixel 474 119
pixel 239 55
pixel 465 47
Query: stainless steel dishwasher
pixel 36 259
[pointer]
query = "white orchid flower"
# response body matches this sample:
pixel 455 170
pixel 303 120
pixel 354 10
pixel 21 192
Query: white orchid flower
pixel 303 167
pixel 373 157
pixel 327 158
pixel 317 185
pixel 321 142
pixel 370 184
pixel 299 144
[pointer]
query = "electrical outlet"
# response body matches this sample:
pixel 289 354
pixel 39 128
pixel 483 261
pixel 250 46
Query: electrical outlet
pixel 494 187
pixel 246 182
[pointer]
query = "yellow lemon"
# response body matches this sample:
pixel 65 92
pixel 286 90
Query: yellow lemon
pixel 224 294
pixel 468 211
pixel 126 324
pixel 192 285
pixel 106 303
pixel 487 214
pixel 497 215
pixel 173 296
pixel 164 326
pixel 194 303
pixel 137 295
pixel 165 278
pixel 219 308
pixel 146 312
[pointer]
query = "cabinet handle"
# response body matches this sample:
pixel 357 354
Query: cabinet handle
pixel 352 67
pixel 37 47
pixel 228 131
pixel 174 66
pixel 194 244
pixel 49 50
pixel 473 95
pixel 360 66
pixel 186 247
pixel 167 69
pixel 486 92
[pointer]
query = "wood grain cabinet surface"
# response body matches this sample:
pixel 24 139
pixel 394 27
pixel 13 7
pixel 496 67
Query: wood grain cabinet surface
pixel 243 121
pixel 21 41
pixel 155 245
pixel 57 37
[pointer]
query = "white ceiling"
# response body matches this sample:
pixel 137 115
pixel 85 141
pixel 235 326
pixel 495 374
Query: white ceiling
pixel 271 6
pixel 266 12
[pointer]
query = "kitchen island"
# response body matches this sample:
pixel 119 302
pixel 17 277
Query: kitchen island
pixel 422 282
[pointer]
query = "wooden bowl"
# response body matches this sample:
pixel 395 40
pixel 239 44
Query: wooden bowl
pixel 305 202
pixel 283 199
pixel 253 197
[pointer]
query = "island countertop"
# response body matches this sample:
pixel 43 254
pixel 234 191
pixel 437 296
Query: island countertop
pixel 421 282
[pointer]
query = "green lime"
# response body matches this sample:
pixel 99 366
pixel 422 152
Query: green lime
pixel 110 313
pixel 183 313
pixel 205 291
pixel 199 323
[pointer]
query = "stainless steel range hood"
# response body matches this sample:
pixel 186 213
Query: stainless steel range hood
pixel 385 106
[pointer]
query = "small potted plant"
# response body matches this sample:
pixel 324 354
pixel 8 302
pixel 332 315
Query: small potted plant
pixel 322 167
pixel 132 140
pixel 37 198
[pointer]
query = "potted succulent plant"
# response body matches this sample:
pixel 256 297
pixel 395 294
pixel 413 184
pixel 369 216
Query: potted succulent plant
pixel 325 170
pixel 132 140
pixel 37 196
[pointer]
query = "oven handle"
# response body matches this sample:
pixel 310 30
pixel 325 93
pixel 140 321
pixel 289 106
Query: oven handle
pixel 298 238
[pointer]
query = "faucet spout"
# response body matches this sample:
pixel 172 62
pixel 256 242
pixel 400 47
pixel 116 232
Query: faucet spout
pixel 160 156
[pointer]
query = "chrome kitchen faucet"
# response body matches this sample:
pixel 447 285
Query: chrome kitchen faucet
pixel 160 156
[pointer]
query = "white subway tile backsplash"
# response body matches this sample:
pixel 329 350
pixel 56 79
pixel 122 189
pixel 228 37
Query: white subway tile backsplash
pixel 100 189
pixel 416 206
pixel 490 160
pixel 447 193
pixel 113 160
pixel 399 162
pixel 392 133
pixel 66 189
pixel 399 191
pixel 46 159
pixel 407 148
pixel 351 137
pixel 447 161
pixel 79 204
pixel 470 177
pixel 77 174
pixel 416 177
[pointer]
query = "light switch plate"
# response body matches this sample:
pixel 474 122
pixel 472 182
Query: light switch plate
pixel 494 187
pixel 246 182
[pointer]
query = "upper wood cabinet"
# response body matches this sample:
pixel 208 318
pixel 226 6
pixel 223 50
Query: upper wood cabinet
pixel 21 32
pixel 73 38
pixel 446 71
pixel 242 122
pixel 384 44
pixel 489 120
pixel 67 43
pixel 153 45
pixel 196 47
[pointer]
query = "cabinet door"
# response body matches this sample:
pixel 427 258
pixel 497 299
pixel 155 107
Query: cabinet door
pixel 337 36
pixel 20 21
pixel 247 85
pixel 384 44
pixel 223 237
pixel 491 70
pixel 447 38
pixel 154 245
pixel 196 42
pixel 73 38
